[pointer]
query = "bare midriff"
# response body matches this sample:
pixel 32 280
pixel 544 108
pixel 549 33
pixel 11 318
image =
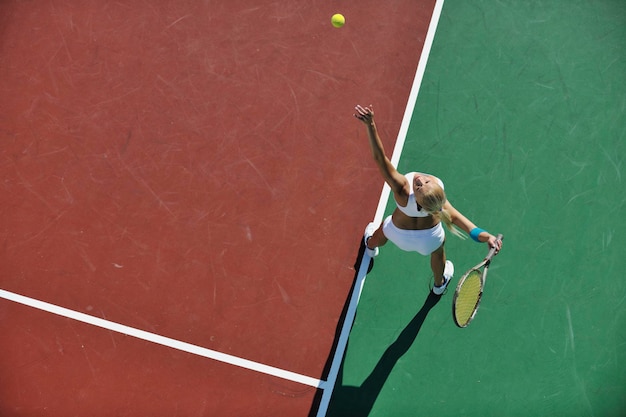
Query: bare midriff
pixel 402 221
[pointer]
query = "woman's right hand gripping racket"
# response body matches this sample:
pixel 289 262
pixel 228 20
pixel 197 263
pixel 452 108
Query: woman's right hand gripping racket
pixel 470 290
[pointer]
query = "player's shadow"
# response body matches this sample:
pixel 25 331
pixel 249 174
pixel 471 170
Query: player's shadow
pixel 353 401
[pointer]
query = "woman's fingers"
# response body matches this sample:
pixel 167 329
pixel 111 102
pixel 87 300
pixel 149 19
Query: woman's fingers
pixel 363 113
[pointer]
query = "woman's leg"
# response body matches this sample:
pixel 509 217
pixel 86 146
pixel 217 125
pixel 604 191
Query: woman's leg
pixel 437 264
pixel 442 270
pixel 377 239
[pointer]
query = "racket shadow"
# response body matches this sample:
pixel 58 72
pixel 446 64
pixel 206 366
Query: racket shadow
pixel 358 401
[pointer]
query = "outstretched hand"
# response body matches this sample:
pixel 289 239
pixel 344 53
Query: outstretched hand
pixel 364 114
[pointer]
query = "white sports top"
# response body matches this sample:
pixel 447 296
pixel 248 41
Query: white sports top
pixel 411 208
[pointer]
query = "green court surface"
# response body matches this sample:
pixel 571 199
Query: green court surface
pixel 522 113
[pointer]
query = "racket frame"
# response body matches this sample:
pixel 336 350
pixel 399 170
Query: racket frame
pixel 483 278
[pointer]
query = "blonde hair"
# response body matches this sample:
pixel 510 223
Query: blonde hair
pixel 433 200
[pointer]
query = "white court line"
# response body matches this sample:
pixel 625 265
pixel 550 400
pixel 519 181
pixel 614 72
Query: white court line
pixel 162 340
pixel 380 211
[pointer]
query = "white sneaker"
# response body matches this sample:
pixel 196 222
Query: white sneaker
pixel 369 231
pixel 448 272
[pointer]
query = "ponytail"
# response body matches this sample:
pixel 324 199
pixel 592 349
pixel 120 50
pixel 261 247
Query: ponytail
pixel 433 203
pixel 443 216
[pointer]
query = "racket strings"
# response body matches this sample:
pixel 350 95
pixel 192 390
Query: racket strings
pixel 467 298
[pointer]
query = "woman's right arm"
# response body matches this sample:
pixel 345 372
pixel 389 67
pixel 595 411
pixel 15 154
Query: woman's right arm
pixel 398 182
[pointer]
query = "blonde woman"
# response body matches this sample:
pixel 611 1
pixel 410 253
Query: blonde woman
pixel 421 207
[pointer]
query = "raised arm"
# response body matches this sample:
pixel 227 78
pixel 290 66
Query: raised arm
pixel 398 183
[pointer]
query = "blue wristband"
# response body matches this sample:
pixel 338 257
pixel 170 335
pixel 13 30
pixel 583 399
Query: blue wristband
pixel 475 232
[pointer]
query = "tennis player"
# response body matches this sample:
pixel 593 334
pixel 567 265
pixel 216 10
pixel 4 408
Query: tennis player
pixel 421 207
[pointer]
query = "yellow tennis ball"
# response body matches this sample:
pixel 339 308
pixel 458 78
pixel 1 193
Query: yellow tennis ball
pixel 338 20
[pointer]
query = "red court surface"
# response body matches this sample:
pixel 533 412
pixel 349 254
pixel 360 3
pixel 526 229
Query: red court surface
pixel 193 170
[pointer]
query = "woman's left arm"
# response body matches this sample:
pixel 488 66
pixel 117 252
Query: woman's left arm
pixel 465 224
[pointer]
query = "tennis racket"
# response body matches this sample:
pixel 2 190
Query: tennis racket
pixel 470 290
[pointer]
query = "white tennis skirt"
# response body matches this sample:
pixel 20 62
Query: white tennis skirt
pixel 424 241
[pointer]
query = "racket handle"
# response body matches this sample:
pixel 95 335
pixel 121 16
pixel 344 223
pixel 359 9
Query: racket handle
pixel 492 251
